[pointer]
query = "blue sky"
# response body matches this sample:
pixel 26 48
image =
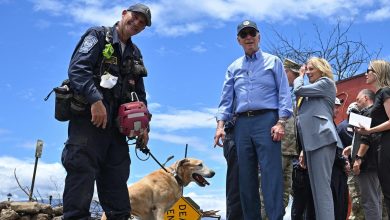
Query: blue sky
pixel 186 50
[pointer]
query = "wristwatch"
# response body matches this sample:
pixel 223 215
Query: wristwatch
pixel 357 157
pixel 282 122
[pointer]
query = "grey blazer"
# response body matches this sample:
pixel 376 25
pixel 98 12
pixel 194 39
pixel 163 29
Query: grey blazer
pixel 315 114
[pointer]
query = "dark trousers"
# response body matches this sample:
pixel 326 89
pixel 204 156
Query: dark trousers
pixel 302 206
pixel 340 194
pixel 255 148
pixel 384 168
pixel 339 187
pixel 94 154
pixel 233 202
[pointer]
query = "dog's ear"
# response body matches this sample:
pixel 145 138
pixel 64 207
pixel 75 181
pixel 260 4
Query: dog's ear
pixel 182 162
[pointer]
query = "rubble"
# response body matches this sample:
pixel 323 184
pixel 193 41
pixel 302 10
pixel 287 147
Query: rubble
pixel 29 211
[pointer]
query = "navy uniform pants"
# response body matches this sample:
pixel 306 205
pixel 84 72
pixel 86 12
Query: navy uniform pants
pixel 255 148
pixel 233 202
pixel 302 207
pixel 95 155
pixel 339 187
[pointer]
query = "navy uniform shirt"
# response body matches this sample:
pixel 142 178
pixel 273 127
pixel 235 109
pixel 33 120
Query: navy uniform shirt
pixel 88 64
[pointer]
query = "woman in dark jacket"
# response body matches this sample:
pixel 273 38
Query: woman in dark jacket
pixel 378 74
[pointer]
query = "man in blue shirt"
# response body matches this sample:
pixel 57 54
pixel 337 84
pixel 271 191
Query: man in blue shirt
pixel 256 91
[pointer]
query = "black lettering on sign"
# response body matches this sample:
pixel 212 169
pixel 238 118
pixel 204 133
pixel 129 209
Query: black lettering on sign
pixel 182 214
pixel 182 207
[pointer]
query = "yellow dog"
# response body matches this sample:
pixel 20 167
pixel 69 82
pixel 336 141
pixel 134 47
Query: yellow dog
pixel 154 194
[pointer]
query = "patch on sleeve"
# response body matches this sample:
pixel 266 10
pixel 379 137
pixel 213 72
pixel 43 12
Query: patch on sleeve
pixel 88 43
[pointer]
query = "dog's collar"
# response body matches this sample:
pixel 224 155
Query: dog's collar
pixel 178 179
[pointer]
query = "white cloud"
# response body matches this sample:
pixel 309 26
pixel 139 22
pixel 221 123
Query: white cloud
pixel 217 157
pixel 184 119
pixel 214 200
pixel 48 181
pixel 166 125
pixel 178 18
pixel 152 107
pixel 55 7
pixel 95 15
pixel 28 144
pixel 175 30
pixel 194 142
pixel 379 15
pixel 200 48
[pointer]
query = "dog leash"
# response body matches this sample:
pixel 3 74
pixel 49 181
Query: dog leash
pixel 144 149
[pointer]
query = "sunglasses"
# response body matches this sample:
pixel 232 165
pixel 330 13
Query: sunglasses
pixel 244 34
pixel 368 70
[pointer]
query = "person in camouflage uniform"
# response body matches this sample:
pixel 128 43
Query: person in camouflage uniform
pixel 357 212
pixel 288 154
pixel 289 148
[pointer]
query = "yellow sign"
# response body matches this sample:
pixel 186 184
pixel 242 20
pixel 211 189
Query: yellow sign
pixel 183 210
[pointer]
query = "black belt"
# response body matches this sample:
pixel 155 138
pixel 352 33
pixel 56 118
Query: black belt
pixel 254 112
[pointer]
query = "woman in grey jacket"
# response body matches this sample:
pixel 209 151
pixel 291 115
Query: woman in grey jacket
pixel 317 131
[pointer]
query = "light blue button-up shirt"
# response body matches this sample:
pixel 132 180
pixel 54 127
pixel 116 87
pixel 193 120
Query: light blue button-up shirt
pixel 254 83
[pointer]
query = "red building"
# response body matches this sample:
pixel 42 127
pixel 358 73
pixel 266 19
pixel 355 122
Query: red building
pixel 347 90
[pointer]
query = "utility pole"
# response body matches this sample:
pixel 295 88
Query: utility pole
pixel 38 154
pixel 9 195
pixel 185 156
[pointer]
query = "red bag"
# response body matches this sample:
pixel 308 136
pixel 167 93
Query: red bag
pixel 133 118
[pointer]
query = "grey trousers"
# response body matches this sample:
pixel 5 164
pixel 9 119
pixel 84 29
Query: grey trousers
pixel 319 164
pixel 370 192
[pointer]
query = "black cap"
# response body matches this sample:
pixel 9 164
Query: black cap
pixel 245 24
pixel 141 8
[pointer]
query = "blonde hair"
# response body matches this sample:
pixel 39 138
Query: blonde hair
pixel 323 66
pixel 382 72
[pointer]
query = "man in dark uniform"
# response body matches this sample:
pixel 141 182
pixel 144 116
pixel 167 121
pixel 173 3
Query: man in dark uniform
pixel 104 69
pixel 340 171
pixel 233 201
pixel 347 135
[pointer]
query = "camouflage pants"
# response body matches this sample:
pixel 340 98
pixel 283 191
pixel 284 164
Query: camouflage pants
pixel 357 212
pixel 384 210
pixel 287 167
